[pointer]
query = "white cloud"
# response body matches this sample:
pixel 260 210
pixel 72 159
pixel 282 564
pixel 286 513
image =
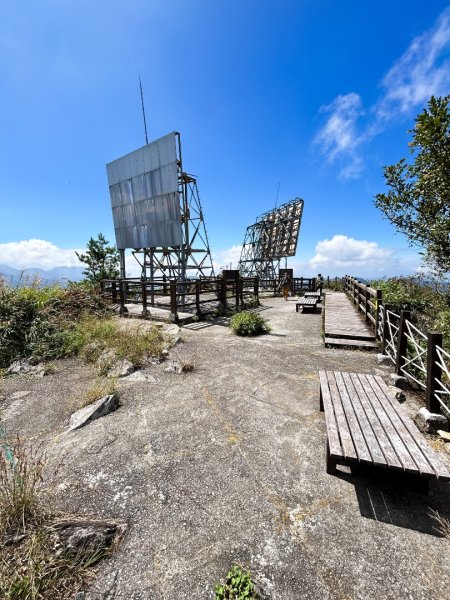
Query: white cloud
pixel 342 255
pixel 422 71
pixel 339 136
pixel 37 253
pixel 223 258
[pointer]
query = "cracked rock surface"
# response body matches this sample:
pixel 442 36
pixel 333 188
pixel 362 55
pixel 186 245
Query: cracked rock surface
pixel 227 464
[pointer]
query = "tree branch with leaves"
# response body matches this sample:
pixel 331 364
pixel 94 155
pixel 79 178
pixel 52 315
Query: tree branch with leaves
pixel 418 201
pixel 102 260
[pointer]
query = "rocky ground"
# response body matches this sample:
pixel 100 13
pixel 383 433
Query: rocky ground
pixel 226 463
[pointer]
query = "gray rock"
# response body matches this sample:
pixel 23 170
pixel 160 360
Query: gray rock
pixel 24 367
pixel 400 396
pixel 384 359
pixel 121 368
pixel 18 395
pixel 173 330
pixel 138 376
pixel 174 367
pixel 444 435
pixel 97 409
pixel 19 366
pixel 430 422
pixel 82 538
pixel 398 381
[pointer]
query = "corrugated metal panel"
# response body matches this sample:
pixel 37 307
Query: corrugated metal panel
pixel 145 202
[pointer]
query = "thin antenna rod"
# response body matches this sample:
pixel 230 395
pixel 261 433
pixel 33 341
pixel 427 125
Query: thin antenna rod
pixel 278 192
pixel 143 110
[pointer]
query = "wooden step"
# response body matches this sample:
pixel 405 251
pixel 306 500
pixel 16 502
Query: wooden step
pixel 366 344
pixel 350 335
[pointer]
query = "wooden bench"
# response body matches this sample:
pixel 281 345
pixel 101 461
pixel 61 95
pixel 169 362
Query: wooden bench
pixel 366 425
pixel 306 302
pixel 312 295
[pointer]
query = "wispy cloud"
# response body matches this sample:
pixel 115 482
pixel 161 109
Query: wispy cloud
pixel 37 253
pixel 422 71
pixel 343 251
pixel 339 136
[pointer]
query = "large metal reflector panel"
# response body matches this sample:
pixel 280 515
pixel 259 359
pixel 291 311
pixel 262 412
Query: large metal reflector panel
pixel 143 187
pixel 279 230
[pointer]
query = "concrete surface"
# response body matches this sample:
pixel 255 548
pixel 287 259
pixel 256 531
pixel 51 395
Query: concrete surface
pixel 227 464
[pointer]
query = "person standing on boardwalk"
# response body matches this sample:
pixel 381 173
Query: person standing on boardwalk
pixel 319 283
pixel 286 285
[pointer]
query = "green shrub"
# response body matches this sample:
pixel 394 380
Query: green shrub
pixel 428 301
pixel 41 321
pixel 248 323
pixel 238 586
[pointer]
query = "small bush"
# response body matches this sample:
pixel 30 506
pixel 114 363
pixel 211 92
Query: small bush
pixel 248 323
pixel 238 586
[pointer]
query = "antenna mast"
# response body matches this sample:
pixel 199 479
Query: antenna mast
pixel 143 110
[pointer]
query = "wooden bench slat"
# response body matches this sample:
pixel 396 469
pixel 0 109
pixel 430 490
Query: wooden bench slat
pixel 399 422
pixel 348 449
pixel 436 465
pixel 394 448
pixel 359 441
pixel 377 420
pixel 330 418
pixel 404 444
pixel 375 450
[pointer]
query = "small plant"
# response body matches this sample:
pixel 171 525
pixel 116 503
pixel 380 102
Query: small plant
pixel 22 500
pixel 248 323
pixel 238 586
pixel 442 524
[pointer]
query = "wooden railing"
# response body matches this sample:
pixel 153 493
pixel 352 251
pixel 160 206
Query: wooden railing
pixel 417 355
pixel 192 296
pixel 366 299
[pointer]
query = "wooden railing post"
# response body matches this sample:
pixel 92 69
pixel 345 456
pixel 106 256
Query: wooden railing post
pixel 114 292
pixel 173 300
pixel 121 298
pixel 385 330
pixel 378 305
pixel 236 285
pixel 223 292
pixel 434 371
pixel 366 303
pixel 256 289
pixel 402 341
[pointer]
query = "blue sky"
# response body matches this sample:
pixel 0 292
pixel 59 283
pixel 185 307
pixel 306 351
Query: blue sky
pixel 314 95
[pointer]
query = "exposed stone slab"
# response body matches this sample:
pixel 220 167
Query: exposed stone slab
pixel 398 381
pixel 384 359
pixel 97 409
pixel 430 422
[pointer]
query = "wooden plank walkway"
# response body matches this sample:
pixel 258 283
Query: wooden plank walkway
pixel 344 326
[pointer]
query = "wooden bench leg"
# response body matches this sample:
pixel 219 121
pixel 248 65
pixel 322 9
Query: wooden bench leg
pixel 331 462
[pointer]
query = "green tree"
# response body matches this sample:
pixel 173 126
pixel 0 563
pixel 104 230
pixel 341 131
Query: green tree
pixel 102 260
pixel 418 202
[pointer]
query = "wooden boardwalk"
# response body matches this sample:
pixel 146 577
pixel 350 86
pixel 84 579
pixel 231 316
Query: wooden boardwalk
pixel 344 326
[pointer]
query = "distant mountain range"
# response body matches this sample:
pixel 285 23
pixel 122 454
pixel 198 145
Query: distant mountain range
pixel 60 275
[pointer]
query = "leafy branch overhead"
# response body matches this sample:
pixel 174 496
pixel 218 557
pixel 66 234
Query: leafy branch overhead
pixel 418 202
pixel 101 260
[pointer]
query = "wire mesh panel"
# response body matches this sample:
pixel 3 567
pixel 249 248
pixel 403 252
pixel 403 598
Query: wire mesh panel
pixel 143 187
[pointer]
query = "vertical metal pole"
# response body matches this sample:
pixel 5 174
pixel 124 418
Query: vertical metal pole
pixel 144 298
pixel 434 371
pixel 122 264
pixel 173 299
pixel 402 341
pixel 197 298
